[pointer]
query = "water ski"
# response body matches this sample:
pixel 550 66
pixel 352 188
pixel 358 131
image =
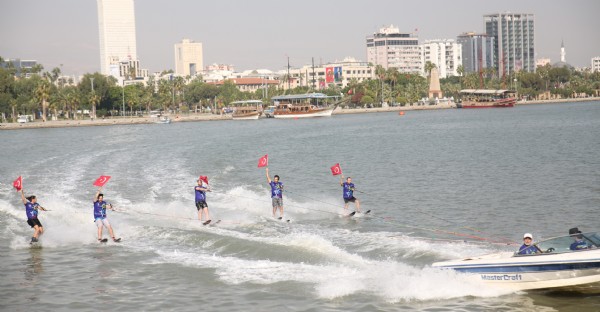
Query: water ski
pixel 104 240
pixel 117 240
pixel 355 212
pixel 215 223
pixel 206 222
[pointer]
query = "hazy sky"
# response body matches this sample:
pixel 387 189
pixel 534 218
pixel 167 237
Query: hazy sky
pixel 262 33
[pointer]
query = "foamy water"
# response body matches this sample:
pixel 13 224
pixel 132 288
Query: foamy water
pixel 320 260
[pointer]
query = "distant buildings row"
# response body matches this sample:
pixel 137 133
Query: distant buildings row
pixel 506 46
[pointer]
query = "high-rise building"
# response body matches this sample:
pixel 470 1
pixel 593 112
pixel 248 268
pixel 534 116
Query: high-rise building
pixel 116 24
pixel 391 48
pixel 477 51
pixel 514 46
pixel 446 54
pixel 188 57
pixel 596 64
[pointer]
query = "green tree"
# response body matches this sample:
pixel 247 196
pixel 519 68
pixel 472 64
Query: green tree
pixel 429 66
pixel 42 93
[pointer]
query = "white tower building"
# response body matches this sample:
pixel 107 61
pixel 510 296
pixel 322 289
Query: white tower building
pixel 391 48
pixel 563 53
pixel 446 54
pixel 188 57
pixel 116 24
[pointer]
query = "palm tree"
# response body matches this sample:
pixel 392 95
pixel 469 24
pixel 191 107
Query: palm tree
pixel 461 71
pixel 13 106
pixel 429 66
pixel 43 93
pixel 73 98
pixel 94 100
pixel 53 106
pixel 392 76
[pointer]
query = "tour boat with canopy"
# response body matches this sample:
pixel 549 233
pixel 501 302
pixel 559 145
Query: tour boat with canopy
pixel 554 266
pixel 246 110
pixel 303 105
pixel 483 98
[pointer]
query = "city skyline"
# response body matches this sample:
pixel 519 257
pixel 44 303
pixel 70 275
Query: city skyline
pixel 262 34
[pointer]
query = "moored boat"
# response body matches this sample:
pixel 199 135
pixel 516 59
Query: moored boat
pixel 484 98
pixel 554 266
pixel 163 120
pixel 303 105
pixel 246 110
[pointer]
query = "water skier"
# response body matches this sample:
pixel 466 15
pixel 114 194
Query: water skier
pixel 276 194
pixel 201 204
pixel 100 217
pixel 348 193
pixel 31 209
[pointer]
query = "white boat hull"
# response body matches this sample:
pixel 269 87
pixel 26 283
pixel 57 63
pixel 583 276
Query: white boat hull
pixel 253 117
pixel 322 113
pixel 540 271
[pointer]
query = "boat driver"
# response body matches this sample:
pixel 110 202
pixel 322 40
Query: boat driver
pixel 579 242
pixel 528 248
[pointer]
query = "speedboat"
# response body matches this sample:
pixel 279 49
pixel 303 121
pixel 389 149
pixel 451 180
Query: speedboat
pixel 554 266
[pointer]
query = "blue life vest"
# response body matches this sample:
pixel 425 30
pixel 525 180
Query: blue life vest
pixel 348 190
pixel 527 250
pixel 31 210
pixel 200 195
pixel 578 245
pixel 100 209
pixel 276 189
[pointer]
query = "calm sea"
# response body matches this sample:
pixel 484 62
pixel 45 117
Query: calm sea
pixel 490 173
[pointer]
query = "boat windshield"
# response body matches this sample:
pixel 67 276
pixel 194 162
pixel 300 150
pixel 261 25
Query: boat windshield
pixel 563 244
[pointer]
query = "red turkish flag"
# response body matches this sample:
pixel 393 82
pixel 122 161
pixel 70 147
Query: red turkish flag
pixel 263 161
pixel 204 178
pixel 101 180
pixel 336 169
pixel 329 74
pixel 18 183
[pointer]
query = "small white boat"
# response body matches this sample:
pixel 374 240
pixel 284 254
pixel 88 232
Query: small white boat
pixel 554 266
pixel 163 120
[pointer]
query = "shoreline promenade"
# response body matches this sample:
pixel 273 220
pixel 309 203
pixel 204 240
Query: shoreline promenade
pixel 210 117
